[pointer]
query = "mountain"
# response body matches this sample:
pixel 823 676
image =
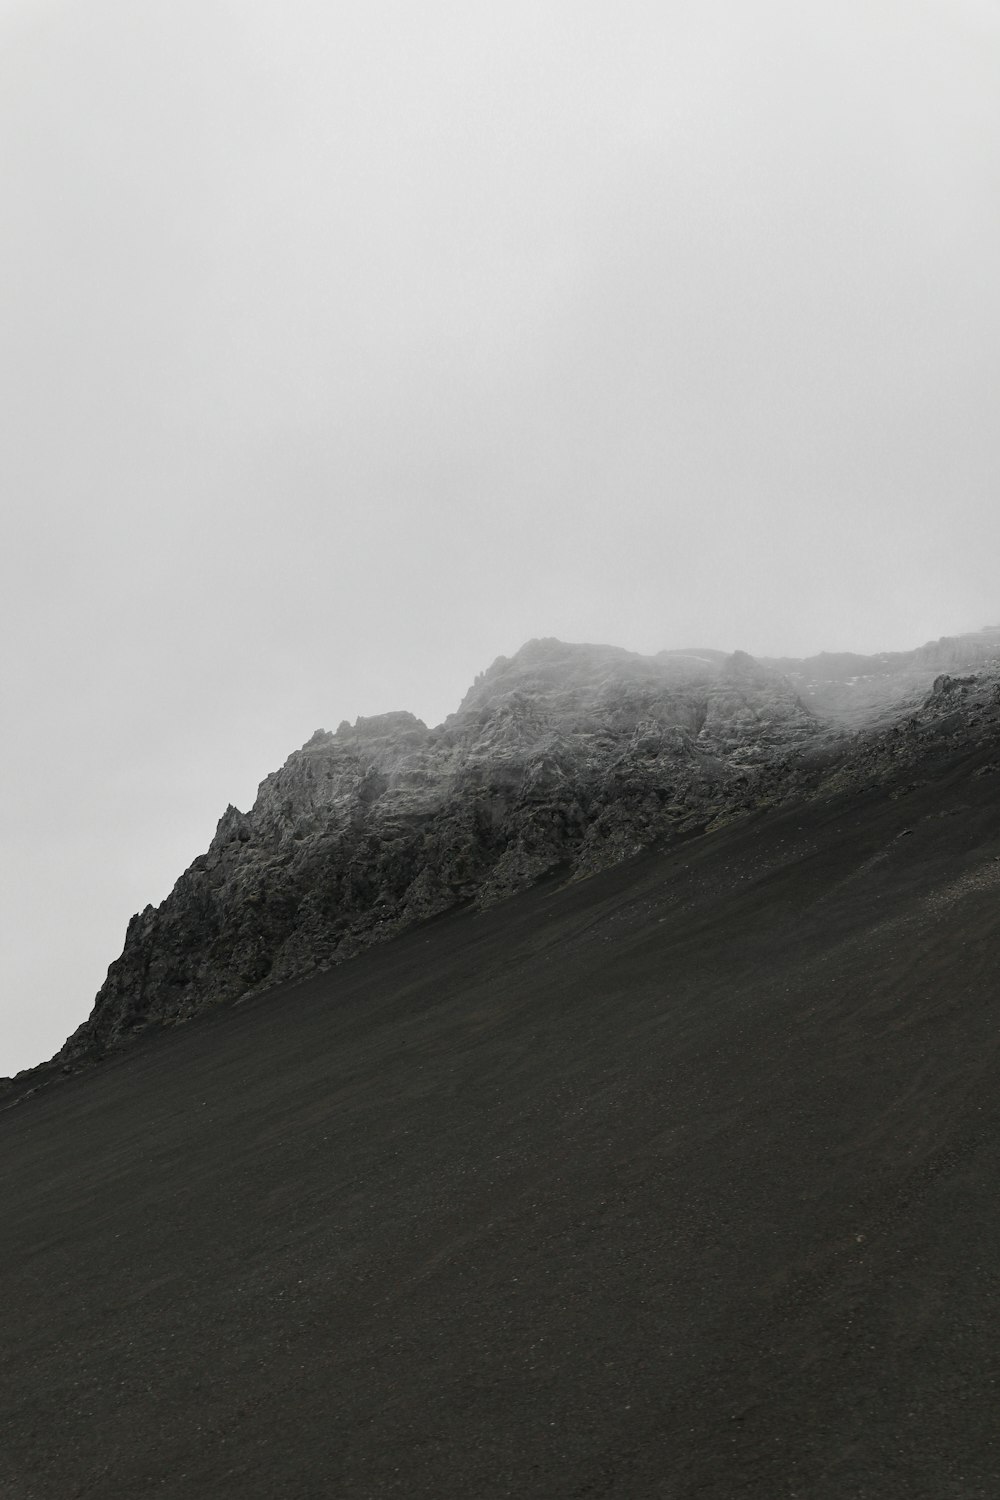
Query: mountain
pixel 677 1182
pixel 560 761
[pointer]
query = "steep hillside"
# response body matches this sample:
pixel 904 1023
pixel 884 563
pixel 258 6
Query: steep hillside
pixel 677 1183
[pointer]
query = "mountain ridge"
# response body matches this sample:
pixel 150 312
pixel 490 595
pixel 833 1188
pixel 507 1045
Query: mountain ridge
pixel 563 757
pixel 560 761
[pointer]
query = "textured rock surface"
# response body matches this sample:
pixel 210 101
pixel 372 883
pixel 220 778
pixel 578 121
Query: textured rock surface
pixel 563 758
pixel 560 761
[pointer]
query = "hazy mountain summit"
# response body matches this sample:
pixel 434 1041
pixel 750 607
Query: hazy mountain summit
pixel 851 689
pixel 560 761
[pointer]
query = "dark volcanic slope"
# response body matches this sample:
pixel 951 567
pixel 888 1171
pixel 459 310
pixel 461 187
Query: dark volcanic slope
pixel 677 1182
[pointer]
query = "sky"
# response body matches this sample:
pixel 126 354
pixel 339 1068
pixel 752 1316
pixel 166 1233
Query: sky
pixel 346 347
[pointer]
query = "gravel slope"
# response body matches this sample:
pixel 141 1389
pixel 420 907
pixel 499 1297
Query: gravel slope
pixel 676 1182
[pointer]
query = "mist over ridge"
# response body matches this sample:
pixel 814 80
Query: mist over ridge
pixel 347 348
pixel 560 761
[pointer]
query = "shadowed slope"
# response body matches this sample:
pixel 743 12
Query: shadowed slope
pixel 677 1182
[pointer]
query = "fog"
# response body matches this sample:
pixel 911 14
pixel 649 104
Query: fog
pixel 347 347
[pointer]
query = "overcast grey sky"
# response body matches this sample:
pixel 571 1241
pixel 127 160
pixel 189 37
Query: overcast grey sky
pixel 345 346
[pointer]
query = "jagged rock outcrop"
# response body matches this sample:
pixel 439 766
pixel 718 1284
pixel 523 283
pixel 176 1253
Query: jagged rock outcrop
pixel 562 758
pixel 559 761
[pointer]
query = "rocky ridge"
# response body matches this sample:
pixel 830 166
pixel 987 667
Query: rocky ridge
pixel 559 761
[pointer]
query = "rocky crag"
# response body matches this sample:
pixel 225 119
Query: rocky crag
pixel 560 761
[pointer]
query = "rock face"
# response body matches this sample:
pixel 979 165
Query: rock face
pixel 563 758
pixel 559 761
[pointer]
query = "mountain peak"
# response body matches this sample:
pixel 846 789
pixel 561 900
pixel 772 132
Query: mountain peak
pixel 563 758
